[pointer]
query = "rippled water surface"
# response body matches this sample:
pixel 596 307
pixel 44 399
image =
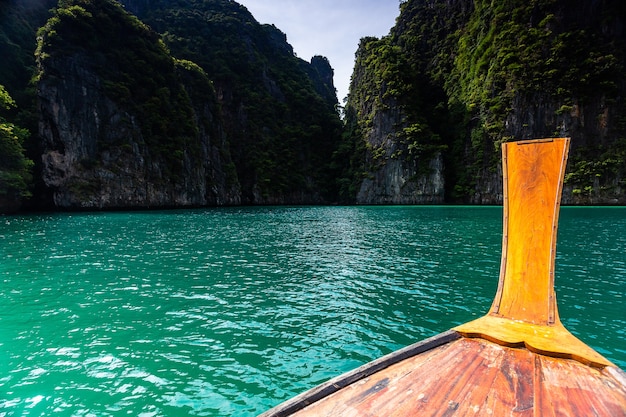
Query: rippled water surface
pixel 227 312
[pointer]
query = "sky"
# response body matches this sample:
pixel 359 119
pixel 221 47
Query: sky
pixel 331 28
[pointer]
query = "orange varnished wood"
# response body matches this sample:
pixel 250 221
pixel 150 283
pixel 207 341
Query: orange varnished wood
pixel 473 377
pixel 553 340
pixel 533 174
pixel 524 310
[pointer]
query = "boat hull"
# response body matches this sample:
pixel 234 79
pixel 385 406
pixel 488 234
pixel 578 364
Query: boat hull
pixel 453 375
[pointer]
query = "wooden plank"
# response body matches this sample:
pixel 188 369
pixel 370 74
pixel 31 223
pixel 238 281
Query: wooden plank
pixel 554 340
pixel 533 173
pixel 517 396
pixel 567 388
pixel 474 377
pixel 324 390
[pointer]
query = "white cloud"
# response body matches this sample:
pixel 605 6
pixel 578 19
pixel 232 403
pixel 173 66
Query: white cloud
pixel 331 28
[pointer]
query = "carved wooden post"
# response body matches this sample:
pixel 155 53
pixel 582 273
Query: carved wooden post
pixel 524 310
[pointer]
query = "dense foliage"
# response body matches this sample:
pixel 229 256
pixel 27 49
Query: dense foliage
pixel 15 168
pixel 19 21
pixel 279 110
pixel 468 75
pixel 121 49
pixel 542 50
pixel 457 77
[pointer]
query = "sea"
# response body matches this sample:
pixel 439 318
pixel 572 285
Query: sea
pixel 230 311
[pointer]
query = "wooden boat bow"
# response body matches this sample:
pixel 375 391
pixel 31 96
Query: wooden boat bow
pixel 518 359
pixel 524 310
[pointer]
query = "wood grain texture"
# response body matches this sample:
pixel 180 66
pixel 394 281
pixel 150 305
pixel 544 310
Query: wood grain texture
pixel 524 311
pixel 533 176
pixel 473 377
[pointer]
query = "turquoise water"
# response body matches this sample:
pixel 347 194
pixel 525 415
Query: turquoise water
pixel 227 312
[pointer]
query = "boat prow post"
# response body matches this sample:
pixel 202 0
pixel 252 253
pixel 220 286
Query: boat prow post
pixel 524 311
pixel 516 360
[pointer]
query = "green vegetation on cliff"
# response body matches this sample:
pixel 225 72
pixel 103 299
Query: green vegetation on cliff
pixel 452 80
pixel 279 110
pixel 135 68
pixel 19 21
pixel 468 75
pixel 15 168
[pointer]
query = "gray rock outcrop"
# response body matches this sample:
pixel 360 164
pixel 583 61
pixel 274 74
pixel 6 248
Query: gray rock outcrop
pixel 95 154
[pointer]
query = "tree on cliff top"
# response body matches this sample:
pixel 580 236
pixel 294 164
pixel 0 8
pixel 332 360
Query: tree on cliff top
pixel 15 168
pixel 279 110
pixel 136 70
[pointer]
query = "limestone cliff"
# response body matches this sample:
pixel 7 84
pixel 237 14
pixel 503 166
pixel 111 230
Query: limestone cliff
pixel 160 103
pixel 167 104
pixel 278 110
pixel 403 159
pixel 431 103
pixel 395 176
pixel 101 146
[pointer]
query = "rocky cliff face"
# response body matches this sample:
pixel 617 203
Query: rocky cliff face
pixel 95 153
pixel 203 107
pixel 395 177
pixel 278 110
pixel 398 168
pixel 454 79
